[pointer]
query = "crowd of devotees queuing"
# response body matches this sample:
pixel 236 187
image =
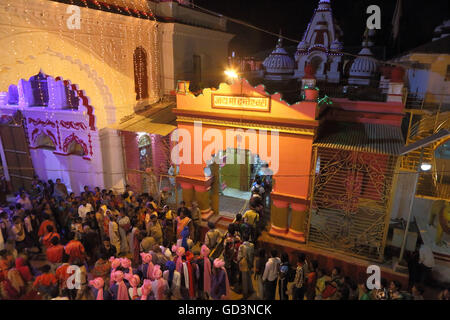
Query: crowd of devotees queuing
pixel 103 245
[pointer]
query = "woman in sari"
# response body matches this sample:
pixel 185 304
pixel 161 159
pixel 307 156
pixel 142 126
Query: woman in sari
pixel 220 287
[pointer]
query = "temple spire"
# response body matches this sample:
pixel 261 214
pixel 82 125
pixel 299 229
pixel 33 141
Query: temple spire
pixel 324 5
pixel 280 40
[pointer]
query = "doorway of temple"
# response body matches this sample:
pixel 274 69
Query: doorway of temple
pixel 237 175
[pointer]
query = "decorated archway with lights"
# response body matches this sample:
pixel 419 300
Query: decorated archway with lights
pixel 60 130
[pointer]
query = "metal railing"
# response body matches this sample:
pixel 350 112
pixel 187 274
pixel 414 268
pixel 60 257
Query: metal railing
pixel 433 102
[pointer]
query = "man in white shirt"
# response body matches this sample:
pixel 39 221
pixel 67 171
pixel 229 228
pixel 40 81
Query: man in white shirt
pixel 426 263
pixel 25 201
pixel 84 209
pixel 270 275
pixel 114 234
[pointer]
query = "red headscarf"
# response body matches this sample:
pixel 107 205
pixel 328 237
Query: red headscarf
pixel 189 257
pixel 23 269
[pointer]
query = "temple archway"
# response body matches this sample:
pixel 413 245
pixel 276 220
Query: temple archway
pixel 233 172
pixel 43 141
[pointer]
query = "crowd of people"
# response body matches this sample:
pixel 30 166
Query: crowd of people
pixel 107 246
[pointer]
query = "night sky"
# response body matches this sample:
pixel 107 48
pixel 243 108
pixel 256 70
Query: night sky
pixel 419 18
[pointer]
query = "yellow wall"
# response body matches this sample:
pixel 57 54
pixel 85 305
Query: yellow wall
pixel 438 68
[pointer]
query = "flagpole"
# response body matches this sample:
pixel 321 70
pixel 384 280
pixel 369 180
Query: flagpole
pixel 396 24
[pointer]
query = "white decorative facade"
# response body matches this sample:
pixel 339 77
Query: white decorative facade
pixel 61 129
pixel 321 46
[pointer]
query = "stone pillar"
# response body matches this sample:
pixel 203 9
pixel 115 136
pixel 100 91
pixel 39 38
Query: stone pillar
pixel 297 227
pixel 112 159
pixel 202 197
pixel 279 218
pixel 188 193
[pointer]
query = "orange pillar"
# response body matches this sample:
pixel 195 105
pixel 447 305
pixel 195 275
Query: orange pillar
pixel 188 193
pixel 203 200
pixel 279 218
pixel 298 221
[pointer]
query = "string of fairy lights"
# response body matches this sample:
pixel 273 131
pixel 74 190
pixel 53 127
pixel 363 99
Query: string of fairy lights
pixel 430 172
pixel 133 29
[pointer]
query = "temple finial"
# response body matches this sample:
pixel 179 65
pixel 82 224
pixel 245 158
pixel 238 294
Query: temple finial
pixel 280 40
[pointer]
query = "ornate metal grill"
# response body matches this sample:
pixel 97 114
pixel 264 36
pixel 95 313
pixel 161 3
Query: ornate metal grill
pixel 350 201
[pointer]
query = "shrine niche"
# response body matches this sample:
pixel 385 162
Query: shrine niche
pixel 45 142
pixel 60 129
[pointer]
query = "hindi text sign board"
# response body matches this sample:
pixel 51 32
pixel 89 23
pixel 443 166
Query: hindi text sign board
pixel 241 103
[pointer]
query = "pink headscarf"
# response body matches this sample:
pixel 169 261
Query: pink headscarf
pixel 147 259
pixel 204 251
pixel 157 275
pixel 122 291
pixel 179 262
pixel 134 281
pixel 220 264
pixel 98 284
pixel 146 289
pixel 115 263
pixel 126 264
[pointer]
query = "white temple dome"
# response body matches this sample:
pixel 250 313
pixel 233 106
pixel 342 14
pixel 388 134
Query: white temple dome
pixel 279 61
pixel 364 65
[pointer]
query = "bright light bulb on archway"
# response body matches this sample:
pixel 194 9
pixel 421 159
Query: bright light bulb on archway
pixel 231 74
pixel 425 166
